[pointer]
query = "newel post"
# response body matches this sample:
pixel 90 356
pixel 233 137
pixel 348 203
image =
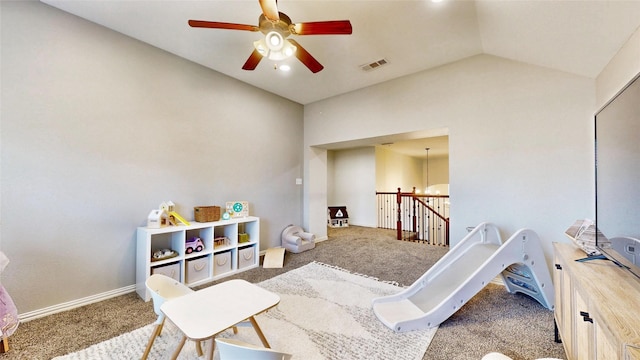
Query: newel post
pixel 399 222
pixel 414 217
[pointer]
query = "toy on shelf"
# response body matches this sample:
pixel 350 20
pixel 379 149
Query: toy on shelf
pixel 221 241
pixel 194 244
pixel 164 216
pixel 163 254
pixel 174 217
pixel 237 209
pixel 157 218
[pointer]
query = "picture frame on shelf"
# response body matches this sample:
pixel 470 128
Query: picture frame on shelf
pixel 237 209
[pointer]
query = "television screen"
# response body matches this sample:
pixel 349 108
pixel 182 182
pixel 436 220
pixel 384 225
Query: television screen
pixel 617 151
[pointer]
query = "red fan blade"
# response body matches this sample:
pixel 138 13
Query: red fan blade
pixel 306 58
pixel 252 61
pixel 338 27
pixel 270 9
pixel 222 25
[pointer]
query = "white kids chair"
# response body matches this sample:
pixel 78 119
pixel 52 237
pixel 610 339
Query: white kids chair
pixel 230 349
pixel 163 288
pixel 296 240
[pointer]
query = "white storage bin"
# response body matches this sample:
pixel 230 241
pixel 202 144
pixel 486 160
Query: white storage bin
pixel 171 270
pixel 221 263
pixel 246 257
pixel 197 269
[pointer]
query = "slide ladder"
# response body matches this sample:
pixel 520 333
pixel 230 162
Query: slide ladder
pixel 465 270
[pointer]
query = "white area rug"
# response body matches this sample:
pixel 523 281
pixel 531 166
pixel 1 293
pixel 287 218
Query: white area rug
pixel 324 313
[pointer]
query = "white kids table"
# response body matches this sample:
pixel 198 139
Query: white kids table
pixel 203 314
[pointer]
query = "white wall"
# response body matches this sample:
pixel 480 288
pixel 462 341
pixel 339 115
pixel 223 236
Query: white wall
pixel 620 70
pixel 438 171
pixel 520 139
pixel 98 129
pixel 353 182
pixel 397 171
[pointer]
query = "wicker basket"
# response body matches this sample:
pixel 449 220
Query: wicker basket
pixel 206 213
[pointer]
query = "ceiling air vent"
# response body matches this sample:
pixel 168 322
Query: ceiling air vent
pixel 374 65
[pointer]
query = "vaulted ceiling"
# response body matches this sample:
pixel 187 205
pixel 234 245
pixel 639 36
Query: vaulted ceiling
pixel 579 37
pixel 574 36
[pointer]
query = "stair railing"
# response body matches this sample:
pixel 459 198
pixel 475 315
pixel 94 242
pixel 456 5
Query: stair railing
pixel 415 217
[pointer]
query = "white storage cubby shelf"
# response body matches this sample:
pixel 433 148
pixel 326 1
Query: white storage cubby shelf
pixel 198 267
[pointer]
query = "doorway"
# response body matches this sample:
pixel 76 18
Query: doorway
pixel 356 173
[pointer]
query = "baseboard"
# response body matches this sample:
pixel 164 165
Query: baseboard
pixel 320 239
pixel 32 315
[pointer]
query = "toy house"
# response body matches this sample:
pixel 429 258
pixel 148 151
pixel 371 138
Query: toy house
pixel 337 217
pixel 157 218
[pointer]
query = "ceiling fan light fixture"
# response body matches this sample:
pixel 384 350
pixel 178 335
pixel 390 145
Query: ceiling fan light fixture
pixel 286 51
pixel 276 27
pixel 274 40
pixel 261 47
pixel 289 49
pixel 275 47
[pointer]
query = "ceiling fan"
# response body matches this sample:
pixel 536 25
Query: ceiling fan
pixel 276 27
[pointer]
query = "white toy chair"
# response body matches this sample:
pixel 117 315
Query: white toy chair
pixel 296 240
pixel 230 349
pixel 163 288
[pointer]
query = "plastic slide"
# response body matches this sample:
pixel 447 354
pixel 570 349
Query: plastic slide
pixel 465 270
pixel 178 217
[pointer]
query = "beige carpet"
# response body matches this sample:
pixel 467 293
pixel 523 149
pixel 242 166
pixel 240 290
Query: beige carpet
pixel 493 320
pixel 324 314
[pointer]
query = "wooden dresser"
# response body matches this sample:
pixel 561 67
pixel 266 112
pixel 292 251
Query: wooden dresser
pixel 597 307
